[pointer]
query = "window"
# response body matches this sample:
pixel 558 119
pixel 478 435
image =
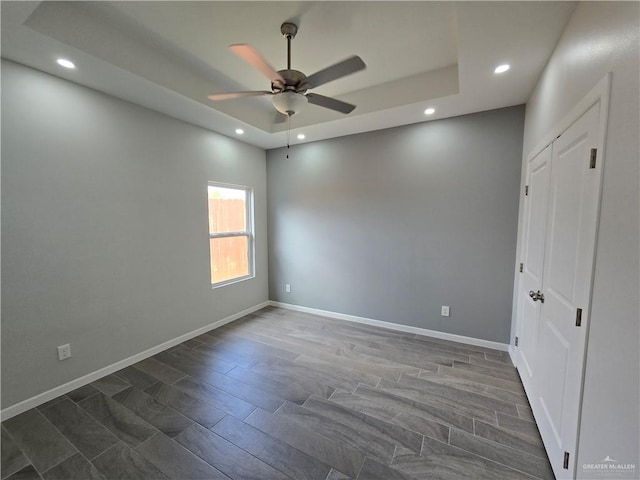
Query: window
pixel 230 233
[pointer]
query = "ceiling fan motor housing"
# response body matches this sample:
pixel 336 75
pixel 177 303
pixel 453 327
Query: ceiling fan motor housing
pixel 294 81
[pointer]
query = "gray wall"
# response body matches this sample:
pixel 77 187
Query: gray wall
pixel 104 229
pixel 392 224
pixel 602 37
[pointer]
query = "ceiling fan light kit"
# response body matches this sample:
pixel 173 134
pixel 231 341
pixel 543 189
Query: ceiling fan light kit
pixel 289 102
pixel 289 87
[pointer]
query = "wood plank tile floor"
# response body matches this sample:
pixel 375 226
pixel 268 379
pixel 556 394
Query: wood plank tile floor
pixel 287 395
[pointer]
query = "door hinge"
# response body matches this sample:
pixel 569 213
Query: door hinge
pixel 578 317
pixel 521 267
pixel 517 341
pixel 565 463
pixel 526 190
pixel 592 160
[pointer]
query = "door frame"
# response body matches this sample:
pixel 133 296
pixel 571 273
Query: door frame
pixel 599 93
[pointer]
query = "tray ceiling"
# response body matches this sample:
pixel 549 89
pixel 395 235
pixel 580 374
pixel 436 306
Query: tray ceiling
pixel 169 56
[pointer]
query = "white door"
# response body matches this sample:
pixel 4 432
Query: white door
pixel 535 226
pixel 574 196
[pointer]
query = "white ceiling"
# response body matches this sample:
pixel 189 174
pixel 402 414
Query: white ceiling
pixel 168 56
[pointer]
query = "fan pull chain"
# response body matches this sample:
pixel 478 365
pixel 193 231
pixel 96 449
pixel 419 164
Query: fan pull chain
pixel 288 133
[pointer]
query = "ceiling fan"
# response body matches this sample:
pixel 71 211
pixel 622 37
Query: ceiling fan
pixel 289 87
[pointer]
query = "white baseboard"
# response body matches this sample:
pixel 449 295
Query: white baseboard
pixel 44 397
pixel 396 326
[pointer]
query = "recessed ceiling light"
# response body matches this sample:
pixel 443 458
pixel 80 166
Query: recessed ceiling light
pixel 301 136
pixel 239 131
pixel 63 62
pixel 430 111
pixel 502 68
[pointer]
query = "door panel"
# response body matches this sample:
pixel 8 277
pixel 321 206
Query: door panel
pixel 535 223
pixel 574 191
pixel 554 356
pixel 565 214
pixel 538 192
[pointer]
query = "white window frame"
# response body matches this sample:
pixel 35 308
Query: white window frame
pixel 249 233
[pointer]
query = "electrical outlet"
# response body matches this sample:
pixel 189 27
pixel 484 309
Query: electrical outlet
pixel 64 352
pixel 444 311
pixel 287 288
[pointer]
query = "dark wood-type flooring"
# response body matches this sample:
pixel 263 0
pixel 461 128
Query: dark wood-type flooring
pixel 287 395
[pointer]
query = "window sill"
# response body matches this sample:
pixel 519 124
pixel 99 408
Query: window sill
pixel 231 281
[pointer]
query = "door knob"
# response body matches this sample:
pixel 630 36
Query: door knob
pixel 537 296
